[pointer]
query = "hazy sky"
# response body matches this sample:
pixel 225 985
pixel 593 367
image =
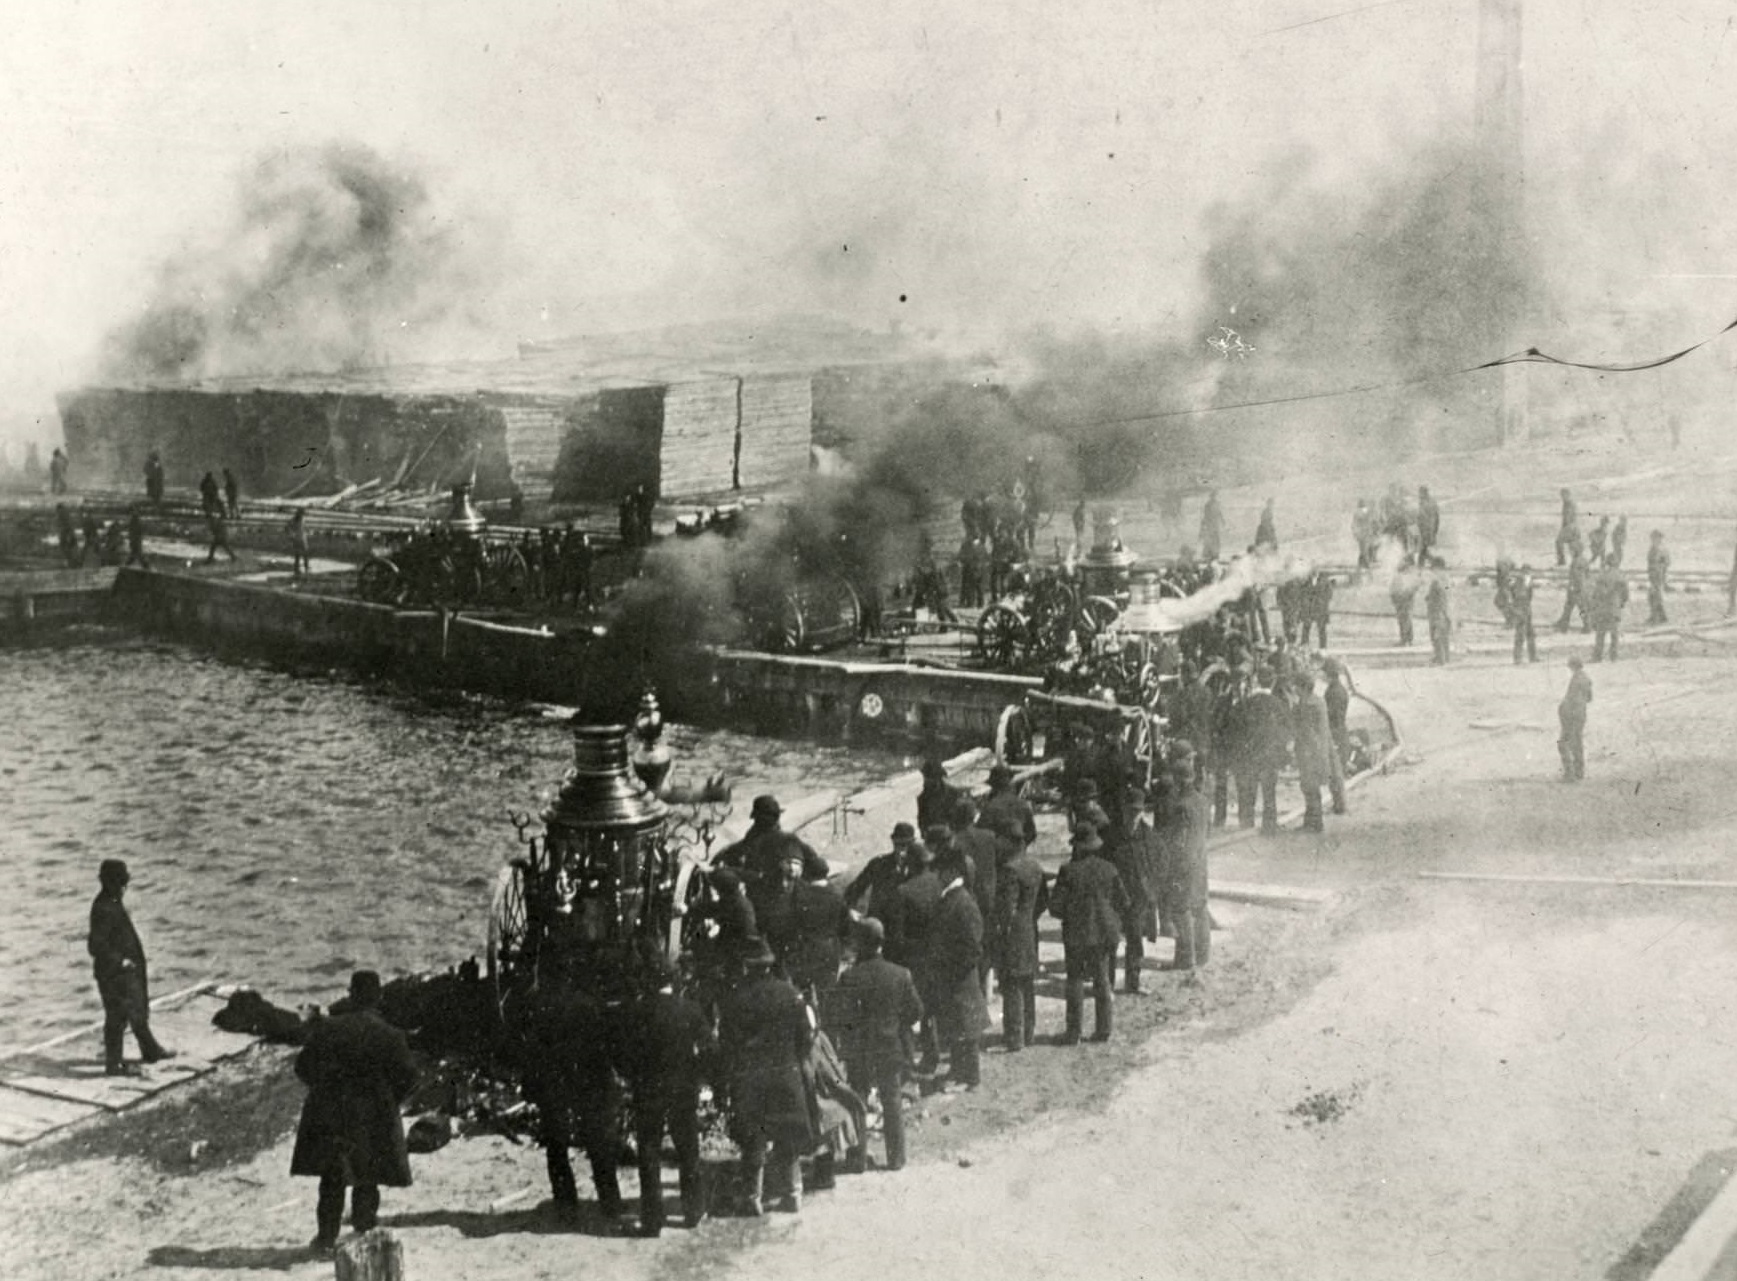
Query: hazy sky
pixel 997 165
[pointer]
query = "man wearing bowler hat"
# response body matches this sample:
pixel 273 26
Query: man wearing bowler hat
pixel 878 1008
pixel 358 1071
pixel 1089 900
pixel 118 958
pixel 759 856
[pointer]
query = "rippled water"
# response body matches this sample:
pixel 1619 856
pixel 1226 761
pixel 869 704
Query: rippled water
pixel 281 829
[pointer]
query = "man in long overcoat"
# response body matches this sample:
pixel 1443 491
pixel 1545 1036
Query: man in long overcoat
pixel 667 1050
pixel 1313 738
pixel 1183 880
pixel 879 1008
pixel 981 848
pixel 1021 896
pixel 765 1033
pixel 118 960
pixel 358 1070
pixel 1089 900
pixel 955 952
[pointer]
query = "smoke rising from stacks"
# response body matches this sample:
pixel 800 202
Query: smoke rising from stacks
pixel 336 258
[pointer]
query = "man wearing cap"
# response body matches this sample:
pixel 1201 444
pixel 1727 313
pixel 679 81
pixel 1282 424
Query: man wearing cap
pixel 358 1070
pixel 879 1007
pixel 1021 896
pixel 668 1049
pixel 1571 712
pixel 1183 879
pixel 936 801
pixel 1004 799
pixel 1089 900
pixel 759 855
pixel 955 953
pixel 118 960
pixel 766 1034
pixel 805 922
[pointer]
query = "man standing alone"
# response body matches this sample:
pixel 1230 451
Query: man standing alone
pixel 358 1070
pixel 1658 570
pixel 118 957
pixel 1571 712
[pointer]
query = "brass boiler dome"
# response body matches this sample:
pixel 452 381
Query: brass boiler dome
pixel 601 792
pixel 464 519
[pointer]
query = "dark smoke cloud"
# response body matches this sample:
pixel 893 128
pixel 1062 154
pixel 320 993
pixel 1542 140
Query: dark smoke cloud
pixel 336 258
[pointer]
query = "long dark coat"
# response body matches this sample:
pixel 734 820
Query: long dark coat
pixel 766 1035
pixel 113 940
pixel 358 1070
pixel 1089 900
pixel 983 850
pixel 877 1006
pixel 955 948
pixel 806 926
pixel 1182 839
pixel 1020 897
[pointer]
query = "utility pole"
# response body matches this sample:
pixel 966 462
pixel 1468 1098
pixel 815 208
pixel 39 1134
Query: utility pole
pixel 1500 131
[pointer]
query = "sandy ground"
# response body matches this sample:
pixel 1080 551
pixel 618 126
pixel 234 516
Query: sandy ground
pixel 1429 1078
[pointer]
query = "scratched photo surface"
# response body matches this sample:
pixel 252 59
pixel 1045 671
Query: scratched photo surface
pixel 930 382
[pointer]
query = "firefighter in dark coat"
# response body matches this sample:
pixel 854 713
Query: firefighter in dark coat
pixel 1267 725
pixel 1183 880
pixel 358 1070
pixel 1021 896
pixel 1130 850
pixel 1003 800
pixel 123 981
pixel 667 1050
pixel 759 855
pixel 955 952
pixel 806 923
pixel 879 1007
pixel 1089 900
pixel 766 1034
pixel 562 1037
pixel 981 848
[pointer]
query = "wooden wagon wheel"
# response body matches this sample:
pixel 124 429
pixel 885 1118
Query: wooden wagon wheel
pixel 686 920
pixel 1013 737
pixel 380 582
pixel 1139 749
pixel 1097 614
pixel 507 574
pixel 509 925
pixel 1001 634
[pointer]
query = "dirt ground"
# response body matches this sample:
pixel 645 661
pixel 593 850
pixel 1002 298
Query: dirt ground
pixel 1427 1078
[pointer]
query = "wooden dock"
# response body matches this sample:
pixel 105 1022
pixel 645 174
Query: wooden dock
pixel 61 1081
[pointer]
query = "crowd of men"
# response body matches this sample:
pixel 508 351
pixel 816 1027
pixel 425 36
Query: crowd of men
pixel 560 562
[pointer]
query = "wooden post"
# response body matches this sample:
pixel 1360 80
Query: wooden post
pixel 377 1255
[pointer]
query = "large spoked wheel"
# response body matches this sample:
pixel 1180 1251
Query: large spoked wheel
pixel 1013 737
pixel 1000 635
pixel 1098 614
pixel 508 575
pixel 687 922
pixel 509 925
pixel 379 582
pixel 1139 749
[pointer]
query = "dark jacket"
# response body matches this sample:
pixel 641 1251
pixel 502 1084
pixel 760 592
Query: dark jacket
pixel 1088 898
pixel 1008 802
pixel 1268 728
pixel 358 1070
pixel 806 927
pixel 113 940
pixel 876 885
pixel 1313 736
pixel 765 1035
pixel 936 805
pixel 955 949
pixel 1182 850
pixel 873 1011
pixel 907 923
pixel 1135 858
pixel 981 847
pixel 1020 898
pixel 667 1047
pixel 758 855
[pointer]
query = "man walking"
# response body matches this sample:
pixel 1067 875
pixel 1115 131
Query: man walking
pixel 1089 901
pixel 118 959
pixel 358 1069
pixel 1571 713
pixel 880 1007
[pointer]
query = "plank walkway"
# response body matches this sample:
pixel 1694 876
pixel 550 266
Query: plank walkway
pixel 45 1087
